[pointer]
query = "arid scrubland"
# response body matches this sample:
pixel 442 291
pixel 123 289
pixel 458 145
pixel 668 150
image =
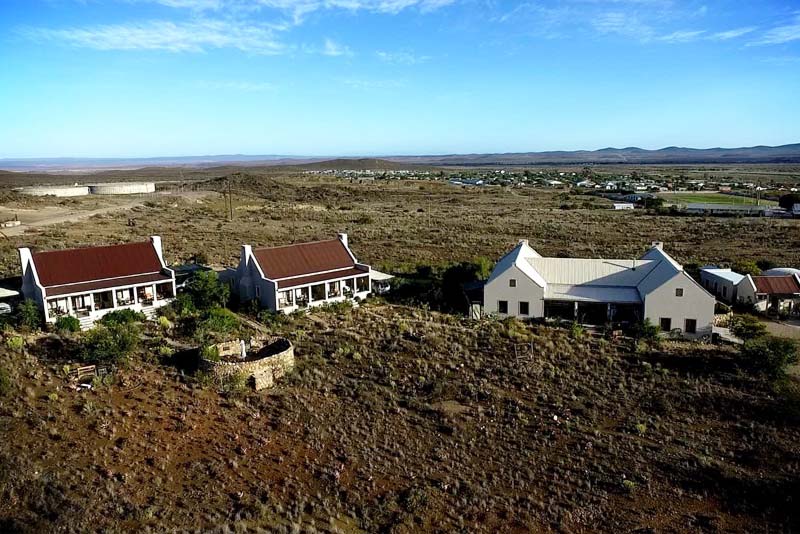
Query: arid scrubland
pixel 396 418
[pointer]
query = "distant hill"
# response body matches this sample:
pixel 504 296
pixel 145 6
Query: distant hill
pixel 630 155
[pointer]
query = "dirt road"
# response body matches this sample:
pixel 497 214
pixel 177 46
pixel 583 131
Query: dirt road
pixel 50 215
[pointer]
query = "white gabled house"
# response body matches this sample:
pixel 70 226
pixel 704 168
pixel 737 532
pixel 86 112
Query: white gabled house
pixel 721 282
pixel 292 277
pixel 600 291
pixel 90 282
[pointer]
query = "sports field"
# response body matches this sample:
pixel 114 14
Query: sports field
pixel 711 198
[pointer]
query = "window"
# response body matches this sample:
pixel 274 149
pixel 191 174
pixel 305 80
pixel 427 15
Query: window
pixel 258 292
pixel 362 284
pixel 524 309
pixel 502 306
pixel 678 291
pixel 512 282
pixel 724 291
pixel 690 326
pixel 665 323
pixel 318 292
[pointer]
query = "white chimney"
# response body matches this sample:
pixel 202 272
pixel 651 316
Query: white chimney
pixel 156 241
pixel 247 251
pixel 658 244
pixel 343 239
pixel 26 259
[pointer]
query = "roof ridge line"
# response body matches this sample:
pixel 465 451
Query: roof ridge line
pixel 296 244
pixel 89 247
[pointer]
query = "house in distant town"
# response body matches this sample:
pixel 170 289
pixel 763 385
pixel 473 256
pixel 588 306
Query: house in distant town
pixel 88 283
pixel 771 294
pixel 623 205
pixel 597 291
pixel 720 282
pixel 292 277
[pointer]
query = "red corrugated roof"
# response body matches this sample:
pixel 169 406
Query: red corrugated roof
pixel 776 285
pixel 72 266
pixel 303 259
pixel 85 287
pixel 316 278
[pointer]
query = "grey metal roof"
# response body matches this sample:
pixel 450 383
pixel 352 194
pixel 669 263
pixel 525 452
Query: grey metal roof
pixel 725 274
pixel 590 271
pixel 590 293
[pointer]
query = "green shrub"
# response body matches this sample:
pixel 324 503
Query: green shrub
pixel 272 319
pixel 68 323
pixel 183 305
pixel 207 291
pixel 210 353
pixel 647 332
pixel 234 384
pixel 218 321
pixel 576 330
pixel 15 343
pixel 769 355
pixel 110 343
pixel 123 317
pixel 5 382
pixel 747 327
pixel 746 267
pixel 165 324
pixel 29 316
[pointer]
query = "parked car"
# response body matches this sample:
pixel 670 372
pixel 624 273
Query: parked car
pixel 5 308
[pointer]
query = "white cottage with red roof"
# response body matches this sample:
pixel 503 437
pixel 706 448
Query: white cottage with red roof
pixel 88 283
pixel 293 277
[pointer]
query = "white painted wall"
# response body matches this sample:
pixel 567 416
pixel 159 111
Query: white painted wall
pixel 498 288
pixel 694 304
pixel 715 284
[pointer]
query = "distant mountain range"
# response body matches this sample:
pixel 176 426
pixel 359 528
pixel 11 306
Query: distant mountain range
pixel 631 155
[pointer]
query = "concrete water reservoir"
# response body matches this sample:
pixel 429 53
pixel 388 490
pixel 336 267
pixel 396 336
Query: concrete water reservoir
pixel 123 188
pixel 55 190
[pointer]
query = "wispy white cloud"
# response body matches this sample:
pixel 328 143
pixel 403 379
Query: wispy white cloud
pixel 299 9
pixel 402 58
pixel 334 49
pixel 622 23
pixel 681 36
pixel 732 34
pixel 780 34
pixel 195 36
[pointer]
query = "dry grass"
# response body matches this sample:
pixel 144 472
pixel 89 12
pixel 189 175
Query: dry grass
pixel 403 420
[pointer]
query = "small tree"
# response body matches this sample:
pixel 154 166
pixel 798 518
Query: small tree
pixel 747 327
pixel 29 315
pixel 646 331
pixel 110 343
pixel 769 355
pixel 68 323
pixel 765 264
pixel 746 267
pixel 207 291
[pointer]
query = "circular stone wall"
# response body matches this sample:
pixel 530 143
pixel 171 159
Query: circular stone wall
pixel 56 191
pixel 273 360
pixel 123 188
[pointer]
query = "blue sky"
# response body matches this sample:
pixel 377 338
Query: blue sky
pixel 128 78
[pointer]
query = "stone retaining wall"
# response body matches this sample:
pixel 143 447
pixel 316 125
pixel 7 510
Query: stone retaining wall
pixel 262 373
